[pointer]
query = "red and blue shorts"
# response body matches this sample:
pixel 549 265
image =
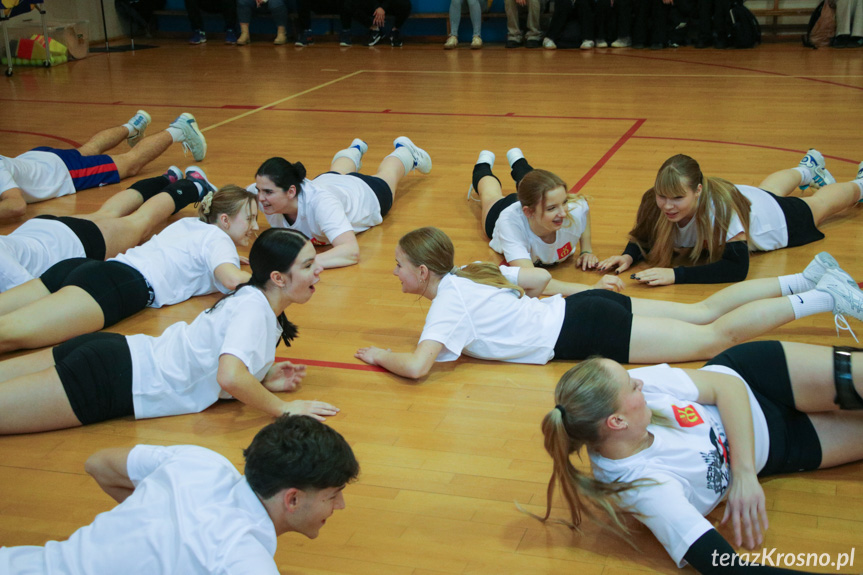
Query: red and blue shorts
pixel 86 171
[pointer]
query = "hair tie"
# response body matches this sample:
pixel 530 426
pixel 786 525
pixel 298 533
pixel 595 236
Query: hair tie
pixel 562 411
pixel 206 202
pixel 454 270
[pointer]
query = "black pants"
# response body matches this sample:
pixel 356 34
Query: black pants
pixel 650 22
pixel 711 20
pixel 564 10
pixel 306 7
pixel 227 8
pixel 362 11
pixel 613 21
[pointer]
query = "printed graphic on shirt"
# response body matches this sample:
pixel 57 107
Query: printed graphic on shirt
pixel 317 242
pixel 687 416
pixel 717 463
pixel 564 250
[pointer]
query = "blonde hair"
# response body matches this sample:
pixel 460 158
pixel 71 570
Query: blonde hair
pixel 536 184
pixel 228 200
pixel 586 398
pixel 432 248
pixel 717 204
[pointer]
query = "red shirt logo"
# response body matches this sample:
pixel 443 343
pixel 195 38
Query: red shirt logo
pixel 687 416
pixel 564 250
pixel 317 242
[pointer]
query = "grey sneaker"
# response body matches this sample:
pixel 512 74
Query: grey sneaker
pixel 816 164
pixel 422 161
pixel 819 265
pixel 193 138
pixel 847 298
pixel 859 172
pixel 139 121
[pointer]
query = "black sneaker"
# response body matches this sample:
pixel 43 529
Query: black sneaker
pixel 345 38
pixel 396 39
pixel 375 36
pixel 513 43
pixel 304 38
pixel 532 44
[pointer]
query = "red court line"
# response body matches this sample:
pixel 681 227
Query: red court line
pixel 762 146
pixel 336 364
pixel 72 143
pixel 604 159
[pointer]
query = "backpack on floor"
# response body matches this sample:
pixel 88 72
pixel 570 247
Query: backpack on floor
pixel 743 27
pixel 822 26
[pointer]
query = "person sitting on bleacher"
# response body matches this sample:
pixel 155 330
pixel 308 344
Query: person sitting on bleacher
pixel 372 14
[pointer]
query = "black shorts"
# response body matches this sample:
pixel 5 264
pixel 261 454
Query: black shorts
pixel 96 373
pixel 88 234
pixel 597 322
pixel 794 444
pixel 119 289
pixel 798 220
pixel 494 213
pixel 379 187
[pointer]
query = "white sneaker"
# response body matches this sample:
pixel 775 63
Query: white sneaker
pixel 476 43
pixel 548 44
pixel 601 44
pixel 859 172
pixel 847 298
pixel 514 155
pixel 139 121
pixel 485 157
pixel 349 153
pixel 196 174
pixel 451 43
pixel 818 167
pixel 422 161
pixel 819 266
pixel 193 138
pixel 173 174
pixel 587 45
pixel 622 43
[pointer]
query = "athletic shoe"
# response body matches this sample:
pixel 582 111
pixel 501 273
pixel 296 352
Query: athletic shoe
pixel 548 44
pixel 847 298
pixel 514 155
pixel 230 36
pixel 281 39
pixel 451 43
pixel 533 44
pixel 396 39
pixel 601 44
pixel 244 39
pixel 819 266
pixel 304 38
pixel 345 39
pixel 375 36
pixel 193 138
pixel 362 147
pixel 476 43
pixel 859 172
pixel 196 174
pixel 513 43
pixel 587 45
pixel 485 157
pixel 199 37
pixel 173 174
pixel 139 121
pixel 422 161
pixel 657 46
pixel 818 167
pixel 622 43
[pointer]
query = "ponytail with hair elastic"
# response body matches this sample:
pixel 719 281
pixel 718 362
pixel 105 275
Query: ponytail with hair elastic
pixel 206 203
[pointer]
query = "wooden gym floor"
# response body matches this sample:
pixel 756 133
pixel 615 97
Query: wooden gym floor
pixel 444 459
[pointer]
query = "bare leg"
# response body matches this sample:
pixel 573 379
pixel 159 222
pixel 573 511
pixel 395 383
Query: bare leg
pixel 146 151
pixel 104 141
pixel 391 170
pixel 35 402
pixel 490 192
pixel 123 233
pixel 841 436
pixel 832 199
pixel 26 364
pixel 119 205
pixel 51 320
pixel 22 295
pixel 712 308
pixel 656 339
pixel 782 183
pixel 343 165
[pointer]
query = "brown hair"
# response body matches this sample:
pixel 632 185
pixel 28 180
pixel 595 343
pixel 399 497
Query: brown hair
pixel 432 248
pixel 228 200
pixel 716 205
pixel 536 184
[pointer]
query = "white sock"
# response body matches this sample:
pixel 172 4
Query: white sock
pixel 795 284
pixel 132 129
pixel 805 174
pixel 486 157
pixel 859 185
pixel 513 156
pixel 201 189
pixel 176 134
pixel 353 154
pixel 406 157
pixel 810 303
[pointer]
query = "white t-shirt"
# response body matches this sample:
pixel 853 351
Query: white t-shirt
pixel 175 373
pixel 179 262
pixel 191 513
pixel 34 247
pixel 329 206
pixel 491 323
pixel 39 175
pixel 689 461
pixel 768 229
pixel 516 241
